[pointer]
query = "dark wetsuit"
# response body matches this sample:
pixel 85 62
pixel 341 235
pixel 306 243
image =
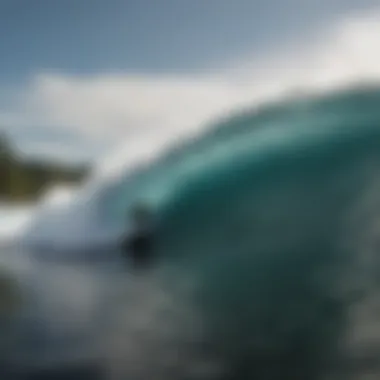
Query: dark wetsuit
pixel 139 248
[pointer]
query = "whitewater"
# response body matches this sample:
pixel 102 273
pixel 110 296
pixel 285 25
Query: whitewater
pixel 267 260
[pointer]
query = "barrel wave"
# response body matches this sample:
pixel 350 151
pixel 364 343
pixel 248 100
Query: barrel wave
pixel 267 260
pixel 273 217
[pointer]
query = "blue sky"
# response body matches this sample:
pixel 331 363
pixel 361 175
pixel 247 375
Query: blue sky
pixel 78 77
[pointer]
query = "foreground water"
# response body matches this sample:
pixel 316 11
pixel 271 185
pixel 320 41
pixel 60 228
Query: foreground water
pixel 267 260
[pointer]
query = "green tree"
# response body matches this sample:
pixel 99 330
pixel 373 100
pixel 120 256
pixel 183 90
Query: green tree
pixel 22 179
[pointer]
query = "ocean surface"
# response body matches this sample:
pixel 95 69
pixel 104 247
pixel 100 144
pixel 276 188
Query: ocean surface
pixel 267 259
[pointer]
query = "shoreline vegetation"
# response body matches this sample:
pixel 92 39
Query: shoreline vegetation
pixel 23 180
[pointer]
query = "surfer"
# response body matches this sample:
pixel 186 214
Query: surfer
pixel 138 244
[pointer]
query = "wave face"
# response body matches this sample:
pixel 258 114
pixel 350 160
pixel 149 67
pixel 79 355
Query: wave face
pixel 267 260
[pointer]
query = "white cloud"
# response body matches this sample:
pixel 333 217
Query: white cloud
pixel 341 55
pixel 143 111
pixel 55 150
pixel 107 106
pixel 146 111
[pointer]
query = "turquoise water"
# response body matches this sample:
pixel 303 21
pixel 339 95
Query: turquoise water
pixel 267 253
